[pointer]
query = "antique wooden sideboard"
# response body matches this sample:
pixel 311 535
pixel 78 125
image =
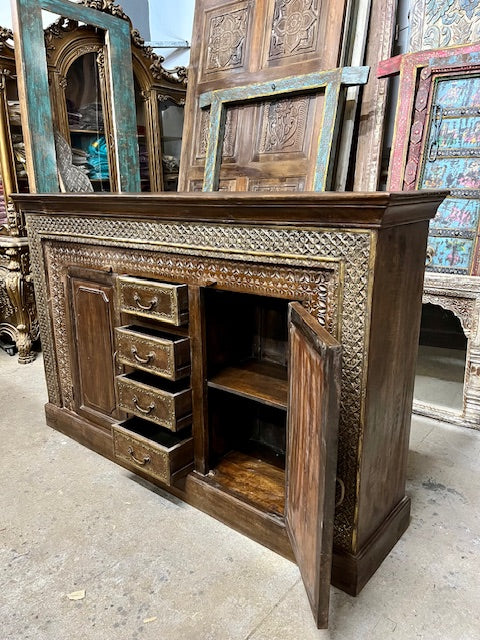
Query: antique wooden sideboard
pixel 177 310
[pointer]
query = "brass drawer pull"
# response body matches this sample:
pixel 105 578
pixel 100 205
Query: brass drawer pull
pixel 141 360
pixel 146 411
pixel 141 463
pixel 147 307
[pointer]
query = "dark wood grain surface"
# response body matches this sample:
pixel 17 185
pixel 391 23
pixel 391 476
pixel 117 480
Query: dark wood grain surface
pixel 262 381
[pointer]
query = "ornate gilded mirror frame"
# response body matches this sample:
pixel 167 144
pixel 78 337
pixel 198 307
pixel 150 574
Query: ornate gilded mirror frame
pixel 34 91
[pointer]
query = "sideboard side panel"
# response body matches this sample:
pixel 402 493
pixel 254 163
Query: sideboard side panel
pixel 393 343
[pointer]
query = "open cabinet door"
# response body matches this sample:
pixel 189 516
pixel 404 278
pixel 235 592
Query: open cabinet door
pixel 314 395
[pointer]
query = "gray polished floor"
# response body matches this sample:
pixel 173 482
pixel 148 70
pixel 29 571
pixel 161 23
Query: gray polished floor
pixel 154 568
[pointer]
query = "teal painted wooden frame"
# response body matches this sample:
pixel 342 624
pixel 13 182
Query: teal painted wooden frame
pixel 33 84
pixel 332 81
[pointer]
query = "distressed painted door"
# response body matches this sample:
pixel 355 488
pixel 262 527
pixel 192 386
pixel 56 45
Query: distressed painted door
pixel 269 145
pixel 451 159
pixel 313 411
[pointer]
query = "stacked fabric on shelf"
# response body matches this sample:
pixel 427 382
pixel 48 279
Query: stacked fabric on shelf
pixel 14 112
pixel 98 159
pixel 80 160
pixel 19 153
pixel 73 115
pixel 91 116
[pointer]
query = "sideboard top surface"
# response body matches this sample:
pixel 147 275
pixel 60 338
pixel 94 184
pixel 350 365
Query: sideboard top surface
pixel 349 209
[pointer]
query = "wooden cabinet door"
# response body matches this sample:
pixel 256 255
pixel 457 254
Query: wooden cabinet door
pixel 269 145
pixel 314 395
pixel 91 318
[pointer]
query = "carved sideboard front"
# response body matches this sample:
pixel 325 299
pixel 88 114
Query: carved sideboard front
pixel 160 299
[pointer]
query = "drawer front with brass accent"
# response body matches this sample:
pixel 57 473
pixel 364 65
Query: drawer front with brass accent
pixel 163 355
pixel 160 301
pixel 169 407
pixel 161 454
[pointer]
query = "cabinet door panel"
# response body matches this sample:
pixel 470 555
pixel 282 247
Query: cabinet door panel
pixel 270 145
pixel 314 394
pixel 92 311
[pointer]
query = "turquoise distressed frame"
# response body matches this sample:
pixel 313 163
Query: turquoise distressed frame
pixel 332 81
pixel 35 101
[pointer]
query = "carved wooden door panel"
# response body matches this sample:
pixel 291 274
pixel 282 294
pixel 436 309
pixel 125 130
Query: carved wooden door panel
pixel 91 317
pixel 269 145
pixel 313 410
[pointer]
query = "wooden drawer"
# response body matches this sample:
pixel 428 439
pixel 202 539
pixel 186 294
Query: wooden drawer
pixel 161 301
pixel 169 406
pixel 163 355
pixel 161 454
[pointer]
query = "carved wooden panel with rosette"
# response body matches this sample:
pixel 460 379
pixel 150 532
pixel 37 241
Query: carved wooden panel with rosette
pixel 246 42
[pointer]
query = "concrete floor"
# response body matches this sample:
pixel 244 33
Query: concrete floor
pixel 155 568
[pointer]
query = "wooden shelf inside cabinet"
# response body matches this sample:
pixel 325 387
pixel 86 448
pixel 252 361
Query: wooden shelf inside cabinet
pixel 253 480
pixel 262 381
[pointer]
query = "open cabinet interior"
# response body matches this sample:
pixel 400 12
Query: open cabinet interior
pixel 86 120
pixel 247 352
